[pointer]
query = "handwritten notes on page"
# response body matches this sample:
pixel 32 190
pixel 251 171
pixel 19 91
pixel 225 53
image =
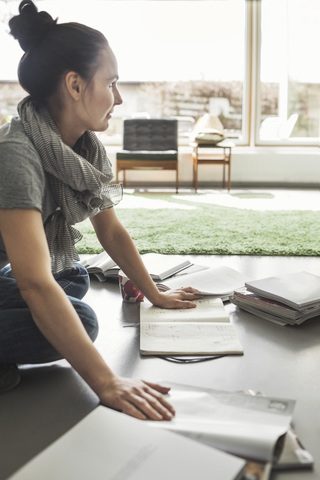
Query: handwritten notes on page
pixel 188 339
pixel 207 310
pixel 204 330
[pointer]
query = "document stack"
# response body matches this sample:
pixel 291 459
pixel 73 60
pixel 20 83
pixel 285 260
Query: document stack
pixel 289 299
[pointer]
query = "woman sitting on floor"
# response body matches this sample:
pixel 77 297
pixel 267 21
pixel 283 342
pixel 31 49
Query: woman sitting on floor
pixel 55 173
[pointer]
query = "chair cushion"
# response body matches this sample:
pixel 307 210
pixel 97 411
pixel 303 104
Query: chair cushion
pixel 212 137
pixel 152 134
pixel 147 155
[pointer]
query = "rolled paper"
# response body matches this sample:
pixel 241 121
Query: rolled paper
pixel 130 293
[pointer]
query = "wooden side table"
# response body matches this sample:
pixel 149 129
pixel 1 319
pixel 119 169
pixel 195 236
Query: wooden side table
pixel 220 154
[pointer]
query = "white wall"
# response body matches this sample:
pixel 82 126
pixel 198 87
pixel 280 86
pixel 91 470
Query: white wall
pixel 254 167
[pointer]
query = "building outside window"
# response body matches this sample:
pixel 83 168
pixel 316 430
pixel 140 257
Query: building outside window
pixel 182 59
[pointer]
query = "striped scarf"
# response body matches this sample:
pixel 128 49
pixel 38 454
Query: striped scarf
pixel 79 180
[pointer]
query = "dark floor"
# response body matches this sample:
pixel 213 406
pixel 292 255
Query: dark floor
pixel 280 361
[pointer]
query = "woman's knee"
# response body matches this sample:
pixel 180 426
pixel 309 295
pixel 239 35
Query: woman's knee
pixel 87 316
pixel 75 282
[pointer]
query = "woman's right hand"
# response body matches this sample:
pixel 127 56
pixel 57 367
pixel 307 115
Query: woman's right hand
pixel 178 298
pixel 138 398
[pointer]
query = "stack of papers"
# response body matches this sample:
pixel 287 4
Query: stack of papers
pixel 289 299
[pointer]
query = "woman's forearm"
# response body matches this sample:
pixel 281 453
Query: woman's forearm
pixel 54 315
pixel 59 323
pixel 117 242
pixel 122 250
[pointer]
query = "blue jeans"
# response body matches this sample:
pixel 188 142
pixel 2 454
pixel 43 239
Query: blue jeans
pixel 20 339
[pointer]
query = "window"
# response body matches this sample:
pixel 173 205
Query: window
pixel 176 58
pixel 182 59
pixel 289 102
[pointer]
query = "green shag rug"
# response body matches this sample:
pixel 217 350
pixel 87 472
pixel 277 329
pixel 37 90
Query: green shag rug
pixel 210 229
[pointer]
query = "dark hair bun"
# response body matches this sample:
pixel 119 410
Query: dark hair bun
pixel 30 26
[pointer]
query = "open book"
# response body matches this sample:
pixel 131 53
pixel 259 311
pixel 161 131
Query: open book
pixel 110 445
pixel 204 330
pixel 219 281
pixel 159 266
pixel 251 426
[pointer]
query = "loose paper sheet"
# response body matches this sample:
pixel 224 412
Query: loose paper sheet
pixel 239 423
pixel 110 445
pixel 219 281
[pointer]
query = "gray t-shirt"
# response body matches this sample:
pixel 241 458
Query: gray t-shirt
pixel 23 182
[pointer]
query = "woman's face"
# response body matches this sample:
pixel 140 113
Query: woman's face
pixel 101 94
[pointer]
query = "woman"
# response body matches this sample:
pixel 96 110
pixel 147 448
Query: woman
pixel 55 173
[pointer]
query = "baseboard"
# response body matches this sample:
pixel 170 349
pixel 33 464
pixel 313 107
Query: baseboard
pixel 217 185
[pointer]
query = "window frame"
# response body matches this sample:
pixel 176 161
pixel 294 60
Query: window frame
pixel 255 93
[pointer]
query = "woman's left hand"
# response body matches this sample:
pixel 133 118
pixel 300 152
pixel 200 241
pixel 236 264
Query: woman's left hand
pixel 178 298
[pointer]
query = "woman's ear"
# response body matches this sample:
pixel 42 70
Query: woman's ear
pixel 74 85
